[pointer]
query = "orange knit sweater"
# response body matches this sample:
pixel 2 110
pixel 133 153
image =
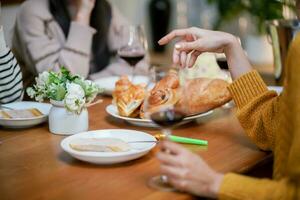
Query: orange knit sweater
pixel 273 123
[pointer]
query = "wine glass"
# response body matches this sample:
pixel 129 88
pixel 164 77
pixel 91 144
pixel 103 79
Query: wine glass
pixel 133 45
pixel 160 107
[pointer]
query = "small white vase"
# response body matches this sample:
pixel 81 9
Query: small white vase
pixel 63 122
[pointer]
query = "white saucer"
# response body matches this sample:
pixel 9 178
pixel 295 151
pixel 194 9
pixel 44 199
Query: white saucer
pixel 108 83
pixel 137 150
pixel 26 122
pixel 113 111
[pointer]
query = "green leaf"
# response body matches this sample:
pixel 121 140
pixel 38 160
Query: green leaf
pixel 60 93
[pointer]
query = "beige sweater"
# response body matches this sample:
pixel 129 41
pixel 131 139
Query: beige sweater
pixel 39 43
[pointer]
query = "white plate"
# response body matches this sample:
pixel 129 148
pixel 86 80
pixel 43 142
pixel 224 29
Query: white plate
pixel 137 150
pixel 27 122
pixel 277 89
pixel 113 111
pixel 108 83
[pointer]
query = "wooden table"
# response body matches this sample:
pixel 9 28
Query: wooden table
pixel 33 165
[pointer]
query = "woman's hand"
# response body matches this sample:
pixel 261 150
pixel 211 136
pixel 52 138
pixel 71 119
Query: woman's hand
pixel 201 40
pixel 84 10
pixel 187 171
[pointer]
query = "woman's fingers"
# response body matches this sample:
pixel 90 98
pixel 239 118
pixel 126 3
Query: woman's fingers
pixel 173 147
pixel 176 56
pixel 170 171
pixel 183 57
pixel 179 184
pixel 167 159
pixel 188 46
pixel 173 34
pixel 193 59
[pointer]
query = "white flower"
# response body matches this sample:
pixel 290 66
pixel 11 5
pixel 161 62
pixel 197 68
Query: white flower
pixel 39 98
pixel 42 79
pixel 75 89
pixel 88 82
pixel 74 102
pixel 31 92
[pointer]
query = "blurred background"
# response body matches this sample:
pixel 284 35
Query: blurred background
pixel 244 18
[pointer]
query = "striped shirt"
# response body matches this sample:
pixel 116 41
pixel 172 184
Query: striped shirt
pixel 11 85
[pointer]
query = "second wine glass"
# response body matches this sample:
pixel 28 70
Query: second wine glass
pixel 133 46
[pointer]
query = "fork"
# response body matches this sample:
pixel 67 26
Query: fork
pixel 144 141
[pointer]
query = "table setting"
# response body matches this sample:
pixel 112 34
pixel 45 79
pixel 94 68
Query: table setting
pixel 112 141
pixel 81 130
pixel 112 127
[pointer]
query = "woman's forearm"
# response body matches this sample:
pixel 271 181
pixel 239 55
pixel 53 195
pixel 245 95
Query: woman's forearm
pixel 238 62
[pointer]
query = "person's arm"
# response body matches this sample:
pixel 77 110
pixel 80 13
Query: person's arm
pixel 187 172
pixel 200 41
pixel 257 109
pixel 287 141
pixel 239 187
pixel 46 52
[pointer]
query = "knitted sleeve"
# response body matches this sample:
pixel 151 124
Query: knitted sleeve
pixel 257 108
pixel 239 187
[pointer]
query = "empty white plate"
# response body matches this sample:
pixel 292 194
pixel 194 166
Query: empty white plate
pixel 108 83
pixel 26 122
pixel 113 111
pixel 137 149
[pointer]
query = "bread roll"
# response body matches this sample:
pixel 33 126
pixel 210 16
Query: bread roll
pixel 203 94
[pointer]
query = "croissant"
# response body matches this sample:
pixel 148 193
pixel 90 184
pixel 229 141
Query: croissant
pixel 203 94
pixel 120 86
pixel 128 97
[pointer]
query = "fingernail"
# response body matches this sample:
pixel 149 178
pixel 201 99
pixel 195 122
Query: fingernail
pixel 177 46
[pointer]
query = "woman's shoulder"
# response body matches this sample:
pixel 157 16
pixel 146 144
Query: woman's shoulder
pixel 35 8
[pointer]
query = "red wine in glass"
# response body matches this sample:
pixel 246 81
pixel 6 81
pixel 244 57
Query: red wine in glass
pixel 132 58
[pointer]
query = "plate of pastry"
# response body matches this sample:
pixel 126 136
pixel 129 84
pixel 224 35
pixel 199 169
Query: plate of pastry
pixel 137 121
pixel 204 94
pixel 108 83
pixel 23 114
pixel 108 146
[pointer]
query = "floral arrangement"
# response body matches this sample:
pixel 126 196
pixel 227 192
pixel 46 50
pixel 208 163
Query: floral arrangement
pixel 76 92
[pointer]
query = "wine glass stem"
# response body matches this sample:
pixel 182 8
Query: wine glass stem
pixel 133 72
pixel 167 132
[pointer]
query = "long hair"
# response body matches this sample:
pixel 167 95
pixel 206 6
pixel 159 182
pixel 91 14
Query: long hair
pixel 100 20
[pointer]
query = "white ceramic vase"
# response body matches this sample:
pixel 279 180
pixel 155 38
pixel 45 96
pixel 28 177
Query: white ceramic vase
pixel 63 122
